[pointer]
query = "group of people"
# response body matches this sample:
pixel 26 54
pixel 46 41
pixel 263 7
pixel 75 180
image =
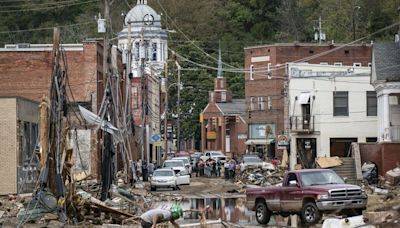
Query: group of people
pixel 141 169
pixel 215 168
pixel 208 168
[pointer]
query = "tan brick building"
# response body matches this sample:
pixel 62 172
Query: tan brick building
pixel 265 79
pixel 18 135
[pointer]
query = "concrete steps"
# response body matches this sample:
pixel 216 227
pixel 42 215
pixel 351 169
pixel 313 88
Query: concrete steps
pixel 347 169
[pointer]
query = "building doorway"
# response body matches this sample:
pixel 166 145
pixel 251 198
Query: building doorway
pixel 340 146
pixel 307 151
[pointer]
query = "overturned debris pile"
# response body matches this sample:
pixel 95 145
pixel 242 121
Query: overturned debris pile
pixel 270 175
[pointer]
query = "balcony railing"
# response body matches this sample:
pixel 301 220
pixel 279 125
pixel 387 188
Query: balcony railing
pixel 302 123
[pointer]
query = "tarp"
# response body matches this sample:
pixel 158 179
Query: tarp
pixel 93 119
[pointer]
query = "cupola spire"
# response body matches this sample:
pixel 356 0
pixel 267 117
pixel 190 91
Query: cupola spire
pixel 219 74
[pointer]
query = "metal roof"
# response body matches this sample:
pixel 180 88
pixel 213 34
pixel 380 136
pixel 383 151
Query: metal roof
pixel 237 106
pixel 386 61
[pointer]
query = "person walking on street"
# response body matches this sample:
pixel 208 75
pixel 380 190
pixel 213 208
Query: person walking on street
pixel 201 166
pixel 151 218
pixel 145 171
pixel 150 168
pixel 226 170
pixel 218 168
pixel 139 169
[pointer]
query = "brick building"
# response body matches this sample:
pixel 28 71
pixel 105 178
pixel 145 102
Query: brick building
pixel 25 71
pixel 222 122
pixel 19 123
pixel 267 113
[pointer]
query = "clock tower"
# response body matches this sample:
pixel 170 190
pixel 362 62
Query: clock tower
pixel 149 40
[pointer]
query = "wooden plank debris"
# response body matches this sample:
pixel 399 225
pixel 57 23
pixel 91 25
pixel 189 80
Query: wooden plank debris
pixel 328 162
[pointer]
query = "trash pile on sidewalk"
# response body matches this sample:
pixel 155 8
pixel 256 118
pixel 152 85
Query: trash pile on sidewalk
pixel 266 176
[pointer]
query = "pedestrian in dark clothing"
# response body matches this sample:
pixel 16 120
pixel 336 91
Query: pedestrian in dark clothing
pixel 145 171
pixel 201 166
pixel 226 170
pixel 214 168
pixel 218 168
pixel 196 168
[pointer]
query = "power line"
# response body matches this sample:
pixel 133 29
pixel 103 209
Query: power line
pixel 39 4
pixel 46 28
pixel 47 8
pixel 192 43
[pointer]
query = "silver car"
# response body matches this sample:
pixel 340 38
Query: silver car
pixel 166 178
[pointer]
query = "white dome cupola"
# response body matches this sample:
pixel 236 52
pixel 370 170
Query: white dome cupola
pixel 146 22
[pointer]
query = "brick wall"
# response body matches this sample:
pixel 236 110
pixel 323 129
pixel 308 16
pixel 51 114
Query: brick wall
pixel 28 73
pixel 8 146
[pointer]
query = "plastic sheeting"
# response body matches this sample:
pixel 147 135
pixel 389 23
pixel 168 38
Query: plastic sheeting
pixel 93 119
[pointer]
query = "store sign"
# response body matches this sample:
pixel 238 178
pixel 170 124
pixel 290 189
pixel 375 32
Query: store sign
pixel 262 131
pixel 211 135
pixel 242 136
pixel 307 144
pixel 282 140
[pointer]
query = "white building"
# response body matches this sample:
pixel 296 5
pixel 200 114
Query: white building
pixel 386 81
pixel 330 107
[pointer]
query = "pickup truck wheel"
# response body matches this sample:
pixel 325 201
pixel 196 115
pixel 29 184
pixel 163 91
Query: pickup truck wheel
pixel 310 214
pixel 262 213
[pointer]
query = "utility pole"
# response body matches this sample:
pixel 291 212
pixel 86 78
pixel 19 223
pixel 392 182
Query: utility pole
pixel 179 105
pixel 128 74
pixel 166 115
pixel 108 153
pixel 355 8
pixel 319 29
pixel 143 84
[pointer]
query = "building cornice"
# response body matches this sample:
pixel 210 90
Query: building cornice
pixel 383 87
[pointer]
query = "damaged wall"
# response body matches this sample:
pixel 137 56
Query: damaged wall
pixel 80 142
pixel 385 155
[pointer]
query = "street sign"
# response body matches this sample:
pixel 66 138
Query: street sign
pixel 155 138
pixel 159 143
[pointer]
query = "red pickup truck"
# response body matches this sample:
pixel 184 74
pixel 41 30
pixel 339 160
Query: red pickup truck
pixel 308 193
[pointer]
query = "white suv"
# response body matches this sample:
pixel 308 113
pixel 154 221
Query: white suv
pixel 166 178
pixel 186 161
pixel 215 155
pixel 177 165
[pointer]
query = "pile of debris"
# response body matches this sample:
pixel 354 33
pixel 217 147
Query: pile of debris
pixel 268 176
pixel 383 195
pixel 83 208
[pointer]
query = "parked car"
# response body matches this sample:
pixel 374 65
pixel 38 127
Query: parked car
pixel 256 162
pixel 177 165
pixel 186 161
pixel 308 193
pixel 215 155
pixel 166 178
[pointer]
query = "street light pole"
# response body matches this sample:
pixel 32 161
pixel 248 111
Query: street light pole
pixel 178 107
pixel 166 115
pixel 354 21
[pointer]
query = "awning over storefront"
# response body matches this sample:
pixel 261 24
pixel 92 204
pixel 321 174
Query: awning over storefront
pixel 304 98
pixel 259 141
